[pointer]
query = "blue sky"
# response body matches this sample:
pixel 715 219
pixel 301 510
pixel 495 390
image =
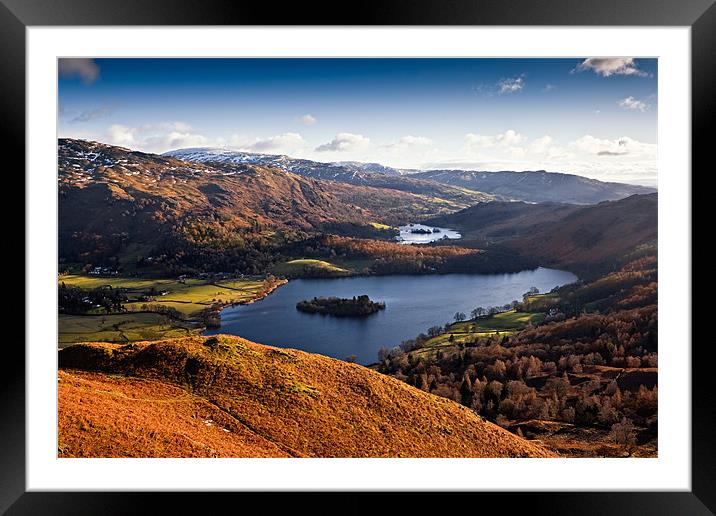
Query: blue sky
pixel 595 117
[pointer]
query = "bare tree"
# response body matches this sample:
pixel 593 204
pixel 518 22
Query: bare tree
pixel 624 433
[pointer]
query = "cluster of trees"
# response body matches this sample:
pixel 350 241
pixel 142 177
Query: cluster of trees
pixel 88 247
pixel 352 229
pixel 167 311
pixel 77 301
pixel 211 244
pixel 512 381
pixel 341 307
pixel 215 247
pixel 389 257
pixel 634 285
pixel 481 311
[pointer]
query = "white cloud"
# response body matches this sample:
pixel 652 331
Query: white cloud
pixel 281 142
pixel 548 87
pixel 623 146
pixel 502 87
pixel 507 139
pixel 157 137
pixel 621 159
pixel 632 103
pixel 408 141
pixel 511 85
pixel 121 135
pixel 85 69
pixel 307 119
pixel 541 145
pixel 344 142
pixel 607 66
pixel 473 140
pixel 545 147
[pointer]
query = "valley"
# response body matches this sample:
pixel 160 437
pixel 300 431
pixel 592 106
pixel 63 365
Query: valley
pixel 524 316
pixel 414 303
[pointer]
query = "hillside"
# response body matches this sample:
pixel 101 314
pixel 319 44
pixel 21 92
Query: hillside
pixel 371 174
pixel 537 186
pixel 114 202
pixel 594 238
pixel 497 221
pixel 118 207
pixel 227 397
pixel 576 368
pixel 134 184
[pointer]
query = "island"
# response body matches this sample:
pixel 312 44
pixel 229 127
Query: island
pixel 421 231
pixel 360 306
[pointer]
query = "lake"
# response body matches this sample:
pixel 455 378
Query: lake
pixel 408 237
pixel 413 304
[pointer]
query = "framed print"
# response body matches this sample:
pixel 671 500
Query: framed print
pixel 421 249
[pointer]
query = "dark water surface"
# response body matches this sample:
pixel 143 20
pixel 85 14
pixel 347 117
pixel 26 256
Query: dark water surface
pixel 413 304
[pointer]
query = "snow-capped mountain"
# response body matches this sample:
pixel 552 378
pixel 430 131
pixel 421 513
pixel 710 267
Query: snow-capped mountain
pixel 532 186
pixel 353 170
pixel 355 173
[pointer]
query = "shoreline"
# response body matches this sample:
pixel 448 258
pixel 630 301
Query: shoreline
pixel 215 310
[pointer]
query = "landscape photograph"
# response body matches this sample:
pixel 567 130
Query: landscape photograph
pixel 357 257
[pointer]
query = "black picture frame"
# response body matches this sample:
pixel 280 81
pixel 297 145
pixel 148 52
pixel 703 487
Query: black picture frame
pixel 16 15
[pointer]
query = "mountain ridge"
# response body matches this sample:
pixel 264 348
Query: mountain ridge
pixel 342 172
pixel 538 185
pixel 529 186
pixel 111 196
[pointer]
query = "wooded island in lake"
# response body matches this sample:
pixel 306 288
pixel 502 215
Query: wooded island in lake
pixel 341 307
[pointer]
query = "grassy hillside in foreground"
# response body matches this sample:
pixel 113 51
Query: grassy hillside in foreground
pixel 226 397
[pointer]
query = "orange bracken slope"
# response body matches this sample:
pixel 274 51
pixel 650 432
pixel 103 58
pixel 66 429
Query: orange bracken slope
pixel 224 396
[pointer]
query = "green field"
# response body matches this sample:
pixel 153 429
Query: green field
pixel 309 266
pixel 190 297
pixel 541 302
pixel 505 323
pixel 126 327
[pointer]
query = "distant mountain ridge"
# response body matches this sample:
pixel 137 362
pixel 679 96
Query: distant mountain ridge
pixel 537 186
pixel 530 186
pixel 355 173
